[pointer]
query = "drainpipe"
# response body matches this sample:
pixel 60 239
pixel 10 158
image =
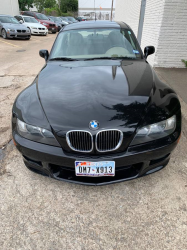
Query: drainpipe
pixel 141 21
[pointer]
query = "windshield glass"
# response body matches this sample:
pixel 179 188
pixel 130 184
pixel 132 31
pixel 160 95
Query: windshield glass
pixel 71 19
pixel 96 43
pixel 58 19
pixel 54 18
pixel 30 20
pixel 41 16
pixel 7 19
pixel 64 18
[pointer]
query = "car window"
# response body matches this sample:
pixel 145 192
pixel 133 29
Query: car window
pixel 41 16
pixel 92 43
pixel 64 18
pixel 7 19
pixel 18 18
pixel 28 13
pixel 54 18
pixel 71 19
pixel 30 20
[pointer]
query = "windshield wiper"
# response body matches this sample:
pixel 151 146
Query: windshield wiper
pixel 99 58
pixel 108 58
pixel 63 59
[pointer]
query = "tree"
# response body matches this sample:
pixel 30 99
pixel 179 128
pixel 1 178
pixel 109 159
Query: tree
pixel 68 5
pixel 25 4
pixel 63 6
pixel 50 3
pixel 41 4
pixel 72 5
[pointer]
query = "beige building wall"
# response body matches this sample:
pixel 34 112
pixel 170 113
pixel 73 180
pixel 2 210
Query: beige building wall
pixel 9 7
pixel 129 12
pixel 153 21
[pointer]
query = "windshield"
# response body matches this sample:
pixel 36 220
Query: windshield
pixel 71 19
pixel 64 18
pixel 30 20
pixel 41 16
pixel 58 19
pixel 7 19
pixel 96 43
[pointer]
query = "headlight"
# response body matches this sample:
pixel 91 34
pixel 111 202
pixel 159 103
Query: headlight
pixel 155 131
pixel 34 28
pixel 11 30
pixel 36 134
pixel 45 24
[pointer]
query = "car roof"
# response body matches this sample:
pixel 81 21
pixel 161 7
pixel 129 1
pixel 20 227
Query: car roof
pixel 26 16
pixel 5 15
pixel 95 24
pixel 31 11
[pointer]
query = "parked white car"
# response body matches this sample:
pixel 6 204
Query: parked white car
pixel 35 27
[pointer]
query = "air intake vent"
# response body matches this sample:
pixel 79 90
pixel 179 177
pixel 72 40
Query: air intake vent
pixel 80 141
pixel 108 140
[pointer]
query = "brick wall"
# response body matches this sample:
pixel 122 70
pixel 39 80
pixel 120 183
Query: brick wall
pixel 129 12
pixel 172 44
pixel 151 28
pixel 165 27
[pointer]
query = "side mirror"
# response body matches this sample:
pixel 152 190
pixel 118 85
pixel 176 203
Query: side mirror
pixel 21 21
pixel 149 50
pixel 44 54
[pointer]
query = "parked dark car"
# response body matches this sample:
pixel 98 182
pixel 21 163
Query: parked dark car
pixel 41 18
pixel 97 113
pixel 65 19
pixel 58 21
pixel 82 18
pixel 11 28
pixel 72 19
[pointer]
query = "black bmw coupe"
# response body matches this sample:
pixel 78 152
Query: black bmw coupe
pixel 97 112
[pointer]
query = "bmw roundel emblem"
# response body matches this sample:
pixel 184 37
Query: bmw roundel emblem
pixel 94 125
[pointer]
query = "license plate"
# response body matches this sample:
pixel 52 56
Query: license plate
pixel 95 169
pixel 53 28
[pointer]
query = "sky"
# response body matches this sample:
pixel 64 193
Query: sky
pixel 98 3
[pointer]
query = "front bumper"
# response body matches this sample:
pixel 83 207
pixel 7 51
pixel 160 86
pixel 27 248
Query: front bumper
pixel 39 32
pixel 18 35
pixel 52 29
pixel 53 162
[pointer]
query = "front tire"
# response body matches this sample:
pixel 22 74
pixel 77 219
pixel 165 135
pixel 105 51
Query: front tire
pixel 4 34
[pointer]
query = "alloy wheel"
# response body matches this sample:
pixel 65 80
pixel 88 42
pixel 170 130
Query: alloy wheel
pixel 4 35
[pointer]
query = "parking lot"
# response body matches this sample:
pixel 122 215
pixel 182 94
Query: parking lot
pixel 37 212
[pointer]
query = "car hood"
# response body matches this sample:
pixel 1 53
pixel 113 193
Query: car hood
pixel 112 92
pixel 13 26
pixel 36 25
pixel 58 23
pixel 46 21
